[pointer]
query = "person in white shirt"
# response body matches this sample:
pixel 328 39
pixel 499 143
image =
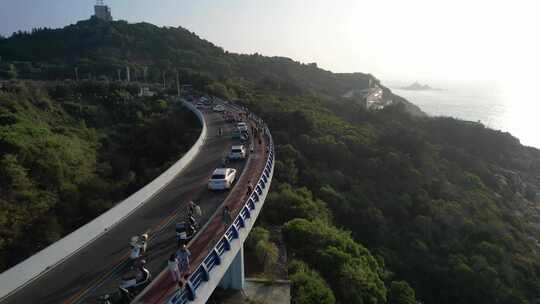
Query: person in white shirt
pixel 172 264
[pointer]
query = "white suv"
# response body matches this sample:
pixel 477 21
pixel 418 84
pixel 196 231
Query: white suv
pixel 222 179
pixel 237 152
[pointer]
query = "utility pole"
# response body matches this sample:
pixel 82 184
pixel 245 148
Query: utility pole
pixel 164 82
pixel 77 74
pixel 178 83
pixel 128 74
pixel 145 71
pixel 119 75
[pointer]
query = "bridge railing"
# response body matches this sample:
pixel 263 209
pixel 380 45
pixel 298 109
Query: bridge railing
pixel 37 265
pixel 213 259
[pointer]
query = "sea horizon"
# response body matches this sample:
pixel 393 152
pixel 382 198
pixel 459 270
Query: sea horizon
pixel 497 107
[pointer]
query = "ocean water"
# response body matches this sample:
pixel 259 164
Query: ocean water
pixel 510 109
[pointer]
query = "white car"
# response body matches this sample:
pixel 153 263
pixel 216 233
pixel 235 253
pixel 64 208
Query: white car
pixel 237 152
pixel 242 126
pixel 219 108
pixel 222 179
pixel 199 105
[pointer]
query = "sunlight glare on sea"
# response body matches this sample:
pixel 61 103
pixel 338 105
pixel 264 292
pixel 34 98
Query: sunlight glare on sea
pixel 521 116
pixel 510 107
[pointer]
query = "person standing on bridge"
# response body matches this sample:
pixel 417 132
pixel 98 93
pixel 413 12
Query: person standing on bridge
pixel 249 188
pixel 194 211
pixel 224 161
pixel 172 264
pixel 197 212
pixel 183 255
pixel 226 216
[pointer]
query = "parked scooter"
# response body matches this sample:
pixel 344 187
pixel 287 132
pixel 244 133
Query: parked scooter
pixel 136 279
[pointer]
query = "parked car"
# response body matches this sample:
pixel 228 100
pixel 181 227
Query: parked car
pixel 207 101
pixel 237 152
pixel 219 108
pixel 242 126
pixel 199 105
pixel 240 135
pixel 222 179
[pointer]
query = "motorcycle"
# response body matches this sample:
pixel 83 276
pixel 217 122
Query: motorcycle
pixel 185 231
pixel 138 246
pixel 136 279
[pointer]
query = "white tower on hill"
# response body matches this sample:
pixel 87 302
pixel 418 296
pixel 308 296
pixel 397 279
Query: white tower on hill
pixel 102 11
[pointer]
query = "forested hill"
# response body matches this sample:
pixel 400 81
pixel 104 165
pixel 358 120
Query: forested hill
pixel 373 206
pixel 70 151
pixel 98 49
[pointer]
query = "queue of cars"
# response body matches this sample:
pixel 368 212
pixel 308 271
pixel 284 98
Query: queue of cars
pixel 224 178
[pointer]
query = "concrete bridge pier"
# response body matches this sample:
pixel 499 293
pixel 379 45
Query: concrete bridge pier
pixel 234 277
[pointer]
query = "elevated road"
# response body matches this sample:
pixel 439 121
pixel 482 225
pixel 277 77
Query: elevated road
pixel 96 269
pixel 163 287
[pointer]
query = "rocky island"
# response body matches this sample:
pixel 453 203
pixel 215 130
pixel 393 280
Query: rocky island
pixel 419 87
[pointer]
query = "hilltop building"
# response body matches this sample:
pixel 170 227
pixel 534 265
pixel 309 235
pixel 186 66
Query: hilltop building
pixel 146 92
pixel 102 11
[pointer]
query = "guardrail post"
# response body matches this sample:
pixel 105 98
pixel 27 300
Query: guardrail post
pixel 206 272
pixel 191 289
pixel 235 231
pixel 242 221
pixel 216 254
pixel 227 242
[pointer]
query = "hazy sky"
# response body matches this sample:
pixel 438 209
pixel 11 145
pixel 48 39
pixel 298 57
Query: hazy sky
pixel 451 40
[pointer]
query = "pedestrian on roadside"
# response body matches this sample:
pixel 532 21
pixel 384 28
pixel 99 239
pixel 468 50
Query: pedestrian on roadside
pixel 183 255
pixel 194 210
pixel 197 212
pixel 172 264
pixel 249 188
pixel 227 218
pixel 191 208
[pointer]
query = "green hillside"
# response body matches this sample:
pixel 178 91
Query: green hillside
pixel 99 49
pixel 68 152
pixel 374 206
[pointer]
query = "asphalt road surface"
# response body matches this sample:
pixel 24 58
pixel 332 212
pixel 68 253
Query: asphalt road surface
pixel 96 269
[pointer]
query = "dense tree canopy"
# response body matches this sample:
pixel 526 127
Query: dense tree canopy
pixel 69 152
